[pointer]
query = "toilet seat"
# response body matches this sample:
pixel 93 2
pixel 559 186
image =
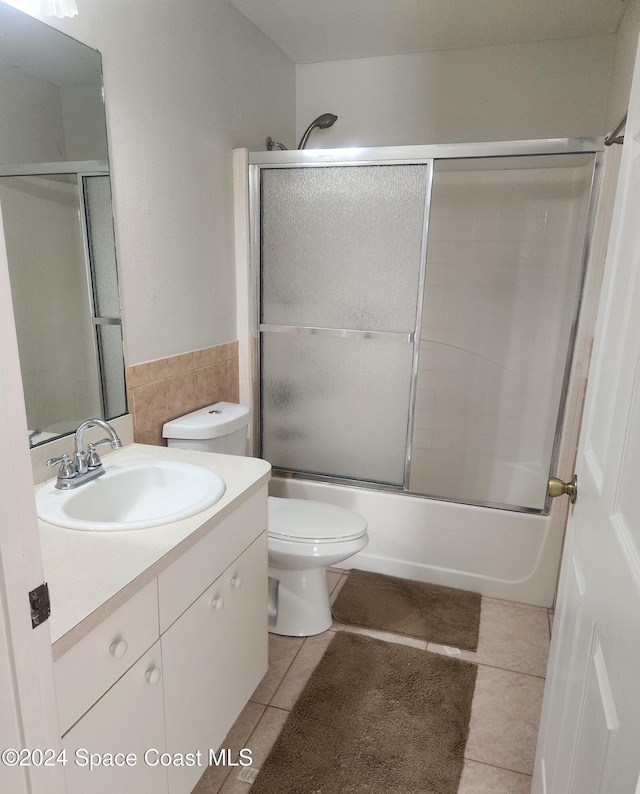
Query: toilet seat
pixel 305 521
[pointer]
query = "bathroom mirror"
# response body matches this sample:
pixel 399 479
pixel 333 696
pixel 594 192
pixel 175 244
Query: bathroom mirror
pixel 55 199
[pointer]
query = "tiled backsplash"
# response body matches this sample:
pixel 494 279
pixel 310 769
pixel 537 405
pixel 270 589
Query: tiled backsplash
pixel 160 390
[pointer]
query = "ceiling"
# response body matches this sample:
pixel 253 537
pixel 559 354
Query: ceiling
pixel 308 31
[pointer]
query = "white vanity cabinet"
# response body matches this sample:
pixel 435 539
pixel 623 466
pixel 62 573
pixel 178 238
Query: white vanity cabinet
pixel 214 656
pixel 170 670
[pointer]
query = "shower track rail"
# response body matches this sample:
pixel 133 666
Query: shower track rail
pixel 392 155
pixel 354 333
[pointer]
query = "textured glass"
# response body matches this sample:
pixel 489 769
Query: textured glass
pixel 112 365
pixel 336 406
pixel 504 262
pixel 341 247
pixel 102 248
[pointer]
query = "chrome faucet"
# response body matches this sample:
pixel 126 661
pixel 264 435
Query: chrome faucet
pixel 83 460
pixel 33 433
pixel 85 466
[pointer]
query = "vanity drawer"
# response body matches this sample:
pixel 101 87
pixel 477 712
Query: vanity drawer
pixel 190 575
pixel 97 661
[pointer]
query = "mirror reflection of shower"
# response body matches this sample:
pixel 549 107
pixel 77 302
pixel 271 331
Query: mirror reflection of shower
pixel 323 122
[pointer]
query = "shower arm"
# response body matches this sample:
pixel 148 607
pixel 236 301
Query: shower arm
pixel 305 137
pixel 271 145
pixel 615 137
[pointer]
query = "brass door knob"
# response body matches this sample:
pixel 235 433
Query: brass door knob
pixel 558 487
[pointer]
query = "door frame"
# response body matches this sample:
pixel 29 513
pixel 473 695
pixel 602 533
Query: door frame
pixel 26 660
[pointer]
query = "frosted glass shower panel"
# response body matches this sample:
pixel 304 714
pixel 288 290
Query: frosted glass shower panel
pixel 504 268
pixel 112 367
pixel 338 406
pixel 341 247
pixel 102 245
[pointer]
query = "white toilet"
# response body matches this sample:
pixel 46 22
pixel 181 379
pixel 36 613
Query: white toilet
pixel 304 536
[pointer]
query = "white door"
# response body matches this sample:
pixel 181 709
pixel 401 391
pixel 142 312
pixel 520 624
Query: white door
pixel 28 717
pixel 589 739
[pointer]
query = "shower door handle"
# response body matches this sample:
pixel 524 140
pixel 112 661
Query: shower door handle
pixel 558 487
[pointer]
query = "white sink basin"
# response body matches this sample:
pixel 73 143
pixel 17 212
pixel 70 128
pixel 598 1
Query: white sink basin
pixel 132 495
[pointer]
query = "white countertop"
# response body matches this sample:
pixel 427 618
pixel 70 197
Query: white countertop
pixel 90 574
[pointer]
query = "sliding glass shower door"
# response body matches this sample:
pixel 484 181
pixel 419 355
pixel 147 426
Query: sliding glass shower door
pixel 418 316
pixel 505 260
pixel 341 272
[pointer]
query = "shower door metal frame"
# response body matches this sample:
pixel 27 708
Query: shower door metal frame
pixel 78 170
pixel 411 155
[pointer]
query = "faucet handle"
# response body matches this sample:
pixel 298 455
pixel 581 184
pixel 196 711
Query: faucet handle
pixel 102 441
pixel 67 469
pixel 93 459
pixel 64 459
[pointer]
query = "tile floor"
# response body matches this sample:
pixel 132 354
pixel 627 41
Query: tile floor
pixel 511 656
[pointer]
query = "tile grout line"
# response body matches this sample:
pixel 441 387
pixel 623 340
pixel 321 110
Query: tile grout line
pixel 285 675
pixel 248 739
pixel 503 669
pixel 497 766
pixel 438 653
pixel 237 755
pixel 278 708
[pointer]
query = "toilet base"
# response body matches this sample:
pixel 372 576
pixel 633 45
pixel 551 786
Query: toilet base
pixel 303 602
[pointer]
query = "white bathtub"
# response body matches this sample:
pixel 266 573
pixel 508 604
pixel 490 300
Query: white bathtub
pixel 499 553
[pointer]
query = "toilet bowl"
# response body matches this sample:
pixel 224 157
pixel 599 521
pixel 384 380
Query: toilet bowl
pixel 304 536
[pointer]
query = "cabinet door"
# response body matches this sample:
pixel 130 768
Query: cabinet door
pixel 128 719
pixel 245 644
pixel 214 656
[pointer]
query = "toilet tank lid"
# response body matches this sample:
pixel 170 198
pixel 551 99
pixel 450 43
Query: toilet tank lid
pixel 213 421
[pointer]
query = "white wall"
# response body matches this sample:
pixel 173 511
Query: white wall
pixel 185 83
pixel 623 63
pixel 34 130
pixel 85 133
pixel 536 90
pixel 48 123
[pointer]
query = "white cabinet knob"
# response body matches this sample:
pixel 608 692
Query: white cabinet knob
pixel 236 582
pixel 118 649
pixel 153 675
pixel 217 603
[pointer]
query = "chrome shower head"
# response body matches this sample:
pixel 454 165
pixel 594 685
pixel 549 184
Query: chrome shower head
pixel 321 123
pixel 325 120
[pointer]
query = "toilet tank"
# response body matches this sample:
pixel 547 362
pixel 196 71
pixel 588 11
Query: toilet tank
pixel 217 428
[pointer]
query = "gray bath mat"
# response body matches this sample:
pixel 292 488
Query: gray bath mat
pixel 444 615
pixel 375 717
